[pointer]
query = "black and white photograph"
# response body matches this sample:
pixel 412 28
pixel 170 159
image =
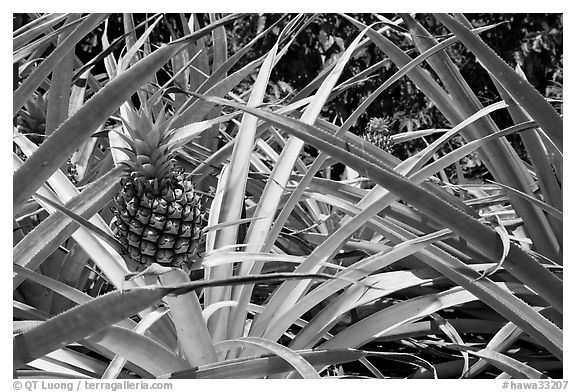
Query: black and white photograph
pixel 287 195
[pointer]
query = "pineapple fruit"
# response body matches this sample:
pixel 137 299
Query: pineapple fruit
pixel 378 133
pixel 32 118
pixel 31 121
pixel 158 216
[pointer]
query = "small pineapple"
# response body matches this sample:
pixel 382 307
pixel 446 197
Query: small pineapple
pixel 158 219
pixel 378 133
pixel 31 121
pixel 32 118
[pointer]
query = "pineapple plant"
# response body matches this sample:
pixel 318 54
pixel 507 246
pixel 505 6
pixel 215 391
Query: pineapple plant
pixel 158 215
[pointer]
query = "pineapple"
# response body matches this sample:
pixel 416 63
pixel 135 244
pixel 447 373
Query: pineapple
pixel 378 133
pixel 158 218
pixel 32 119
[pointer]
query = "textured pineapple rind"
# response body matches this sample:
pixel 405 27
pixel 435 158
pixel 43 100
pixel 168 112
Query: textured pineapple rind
pixel 157 221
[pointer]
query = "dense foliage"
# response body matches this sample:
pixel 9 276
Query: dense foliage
pixel 280 196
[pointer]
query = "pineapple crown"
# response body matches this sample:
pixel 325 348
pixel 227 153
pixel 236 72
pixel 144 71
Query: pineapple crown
pixel 379 124
pixel 150 149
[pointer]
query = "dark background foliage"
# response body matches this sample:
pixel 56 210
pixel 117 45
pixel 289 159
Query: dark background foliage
pixel 533 41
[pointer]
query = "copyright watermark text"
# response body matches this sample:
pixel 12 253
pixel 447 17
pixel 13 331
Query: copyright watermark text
pixel 90 385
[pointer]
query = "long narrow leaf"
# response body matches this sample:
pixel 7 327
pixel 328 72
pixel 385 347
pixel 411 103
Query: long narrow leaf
pixel 305 369
pixel 267 365
pixel 186 312
pixel 140 350
pixel 257 232
pixel 110 308
pixel 523 92
pixel 44 69
pixel 60 88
